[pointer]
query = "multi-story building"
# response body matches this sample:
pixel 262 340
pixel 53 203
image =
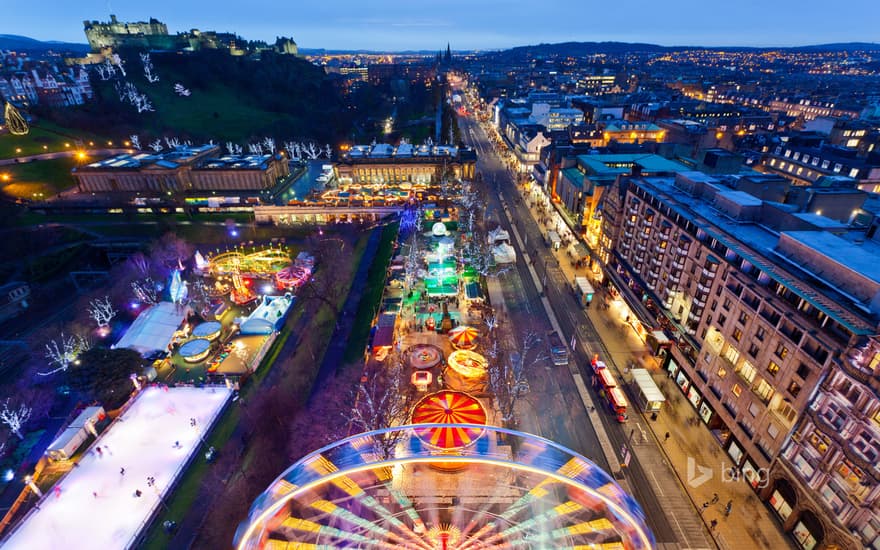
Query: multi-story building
pixel 623 131
pixel 805 164
pixel 774 312
pixel 48 86
pixel 181 170
pixel 423 164
pixel 809 109
pixel 583 180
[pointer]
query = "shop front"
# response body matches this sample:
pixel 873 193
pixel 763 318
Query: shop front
pixel 734 451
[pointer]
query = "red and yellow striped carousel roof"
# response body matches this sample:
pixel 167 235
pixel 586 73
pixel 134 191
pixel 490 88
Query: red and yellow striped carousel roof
pixel 449 407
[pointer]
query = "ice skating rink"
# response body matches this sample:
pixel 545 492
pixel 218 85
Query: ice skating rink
pixel 95 505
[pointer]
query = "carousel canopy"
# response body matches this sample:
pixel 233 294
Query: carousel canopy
pixel 439 229
pixel 463 336
pixel 467 363
pixel 449 407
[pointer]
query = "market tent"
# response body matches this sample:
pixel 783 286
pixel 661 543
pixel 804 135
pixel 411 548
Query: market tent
pixel 473 291
pixel 153 329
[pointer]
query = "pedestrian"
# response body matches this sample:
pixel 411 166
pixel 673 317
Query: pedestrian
pixel 95 494
pixel 713 524
pixel 122 471
pixel 99 451
pixel 704 506
pixel 666 437
pixel 138 493
pixel 728 508
pixel 714 498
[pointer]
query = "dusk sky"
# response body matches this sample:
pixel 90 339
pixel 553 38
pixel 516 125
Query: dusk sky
pixel 471 24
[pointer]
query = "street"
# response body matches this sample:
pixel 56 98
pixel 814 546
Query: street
pixel 559 413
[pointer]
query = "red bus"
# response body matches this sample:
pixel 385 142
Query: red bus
pixel 604 381
pixel 617 403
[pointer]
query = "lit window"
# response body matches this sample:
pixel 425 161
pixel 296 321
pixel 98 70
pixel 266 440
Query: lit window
pixel 764 390
pixel 737 391
pixel 772 368
pixel 747 371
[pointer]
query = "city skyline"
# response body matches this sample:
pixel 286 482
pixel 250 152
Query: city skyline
pixel 391 25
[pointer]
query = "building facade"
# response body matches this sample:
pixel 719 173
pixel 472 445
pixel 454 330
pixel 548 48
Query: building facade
pixel 764 317
pixel 420 164
pixel 181 170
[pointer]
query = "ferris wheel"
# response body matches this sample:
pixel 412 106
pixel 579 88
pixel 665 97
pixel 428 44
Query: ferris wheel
pixel 499 489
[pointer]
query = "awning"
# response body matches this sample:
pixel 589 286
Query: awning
pixel 581 250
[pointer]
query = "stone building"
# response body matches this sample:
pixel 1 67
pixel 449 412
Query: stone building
pixel 422 164
pixel 181 170
pixel 774 313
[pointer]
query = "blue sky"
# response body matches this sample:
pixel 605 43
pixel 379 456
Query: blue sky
pixel 470 24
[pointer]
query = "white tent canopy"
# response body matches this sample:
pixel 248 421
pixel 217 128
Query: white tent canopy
pixel 153 329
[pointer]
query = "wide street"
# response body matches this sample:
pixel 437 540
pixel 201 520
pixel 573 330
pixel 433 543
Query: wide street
pixel 559 412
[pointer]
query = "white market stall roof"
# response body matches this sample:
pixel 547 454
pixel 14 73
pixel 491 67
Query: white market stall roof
pixel 153 328
pixel 646 383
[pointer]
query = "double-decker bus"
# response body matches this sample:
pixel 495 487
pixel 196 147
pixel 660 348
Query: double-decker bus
pixel 606 384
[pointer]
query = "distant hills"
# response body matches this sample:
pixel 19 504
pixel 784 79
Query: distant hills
pixel 592 48
pixel 24 43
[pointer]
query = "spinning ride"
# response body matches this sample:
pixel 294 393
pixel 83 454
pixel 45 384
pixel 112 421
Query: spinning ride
pixel 525 493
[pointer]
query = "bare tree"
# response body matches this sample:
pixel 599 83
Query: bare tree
pixel 135 141
pixel 101 69
pixel 311 150
pixel 15 417
pixel 109 68
pixel 269 145
pixel 101 311
pixel 329 284
pixel 180 90
pixel 508 371
pixel 199 298
pixel 328 151
pixel 383 401
pixel 230 147
pixel 156 145
pixel 172 142
pixel 149 73
pixel 63 352
pixel 255 148
pixel 294 149
pixel 413 262
pixel 117 61
pixel 145 290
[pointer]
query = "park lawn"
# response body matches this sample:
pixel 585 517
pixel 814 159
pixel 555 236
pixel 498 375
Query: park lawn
pixel 27 180
pixel 372 295
pixel 218 112
pixel 44 137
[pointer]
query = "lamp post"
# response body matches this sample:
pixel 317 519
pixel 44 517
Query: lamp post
pixel 29 481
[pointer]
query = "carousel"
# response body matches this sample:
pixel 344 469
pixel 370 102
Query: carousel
pixel 466 371
pixel 450 408
pixel 423 356
pixel 464 337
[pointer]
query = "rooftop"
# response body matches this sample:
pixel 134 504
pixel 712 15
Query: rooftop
pixel 756 243
pixel 612 164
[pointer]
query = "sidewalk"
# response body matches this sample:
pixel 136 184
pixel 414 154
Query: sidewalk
pixel 749 524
